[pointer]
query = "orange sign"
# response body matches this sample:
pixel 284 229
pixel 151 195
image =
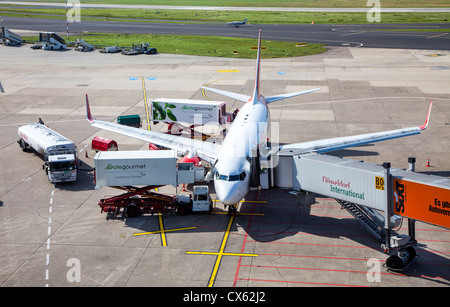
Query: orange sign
pixel 422 202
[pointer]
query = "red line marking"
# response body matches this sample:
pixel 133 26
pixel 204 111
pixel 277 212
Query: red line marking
pixel 301 282
pixel 312 244
pixel 243 244
pixel 311 269
pixel 313 256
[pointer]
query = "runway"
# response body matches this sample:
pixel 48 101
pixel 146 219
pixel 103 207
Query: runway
pixel 232 8
pixel 372 36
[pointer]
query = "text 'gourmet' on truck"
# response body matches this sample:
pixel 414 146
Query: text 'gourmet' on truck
pixel 59 153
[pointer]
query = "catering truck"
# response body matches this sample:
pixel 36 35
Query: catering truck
pixel 198 112
pixel 59 153
pixel 135 168
pixel 139 172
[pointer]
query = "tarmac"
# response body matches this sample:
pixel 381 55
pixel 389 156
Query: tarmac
pixel 55 235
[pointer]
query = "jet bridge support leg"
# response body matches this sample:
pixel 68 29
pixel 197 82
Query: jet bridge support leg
pixel 399 247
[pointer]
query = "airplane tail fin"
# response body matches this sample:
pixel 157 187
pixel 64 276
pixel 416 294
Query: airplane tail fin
pixel 256 92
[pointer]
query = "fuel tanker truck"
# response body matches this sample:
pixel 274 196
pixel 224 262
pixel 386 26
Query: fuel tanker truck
pixel 59 153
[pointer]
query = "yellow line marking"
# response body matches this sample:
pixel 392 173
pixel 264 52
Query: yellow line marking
pixel 159 231
pixel 228 70
pixel 145 102
pixel 161 227
pixel 224 254
pixel 208 84
pixel 162 231
pixel 437 35
pixel 220 254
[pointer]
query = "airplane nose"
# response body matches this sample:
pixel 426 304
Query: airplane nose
pixel 228 194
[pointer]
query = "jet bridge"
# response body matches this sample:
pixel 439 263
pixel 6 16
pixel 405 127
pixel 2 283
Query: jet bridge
pixel 377 195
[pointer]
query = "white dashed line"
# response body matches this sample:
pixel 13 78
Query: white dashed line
pixel 49 232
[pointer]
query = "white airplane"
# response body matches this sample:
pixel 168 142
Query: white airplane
pixel 237 23
pixel 231 161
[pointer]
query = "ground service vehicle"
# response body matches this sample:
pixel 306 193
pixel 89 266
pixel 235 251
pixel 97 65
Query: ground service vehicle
pixel 59 153
pixel 198 112
pixel 130 120
pixel 141 200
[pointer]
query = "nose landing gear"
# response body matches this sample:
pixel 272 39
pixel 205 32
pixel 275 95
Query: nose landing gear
pixel 232 209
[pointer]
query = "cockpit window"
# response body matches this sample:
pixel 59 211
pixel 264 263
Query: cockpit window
pixel 234 178
pixel 240 177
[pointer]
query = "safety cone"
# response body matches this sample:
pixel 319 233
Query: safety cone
pixel 428 163
pixel 184 188
pixel 312 22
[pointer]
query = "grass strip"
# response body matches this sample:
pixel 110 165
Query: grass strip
pixel 204 45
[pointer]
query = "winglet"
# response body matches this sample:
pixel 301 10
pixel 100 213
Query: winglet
pixel 88 110
pixel 424 126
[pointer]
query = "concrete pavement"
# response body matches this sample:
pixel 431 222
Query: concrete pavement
pixel 49 232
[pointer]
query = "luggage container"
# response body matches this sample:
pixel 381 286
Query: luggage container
pixel 130 120
pixel 102 144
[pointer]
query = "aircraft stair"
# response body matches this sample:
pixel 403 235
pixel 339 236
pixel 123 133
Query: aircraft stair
pixel 369 218
pixel 9 38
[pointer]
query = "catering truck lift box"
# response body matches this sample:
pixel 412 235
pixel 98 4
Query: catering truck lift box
pixel 190 111
pixel 60 153
pixel 135 168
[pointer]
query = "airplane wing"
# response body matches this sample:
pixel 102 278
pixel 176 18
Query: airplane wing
pixel 326 145
pixel 205 150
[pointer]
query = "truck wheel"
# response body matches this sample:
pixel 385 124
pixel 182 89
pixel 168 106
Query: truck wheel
pixel 183 209
pixel 132 211
pixel 23 145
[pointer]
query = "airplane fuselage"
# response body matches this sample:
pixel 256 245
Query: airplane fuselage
pixel 233 167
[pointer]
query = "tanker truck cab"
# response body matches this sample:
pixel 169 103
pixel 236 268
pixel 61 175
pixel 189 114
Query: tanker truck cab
pixel 61 168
